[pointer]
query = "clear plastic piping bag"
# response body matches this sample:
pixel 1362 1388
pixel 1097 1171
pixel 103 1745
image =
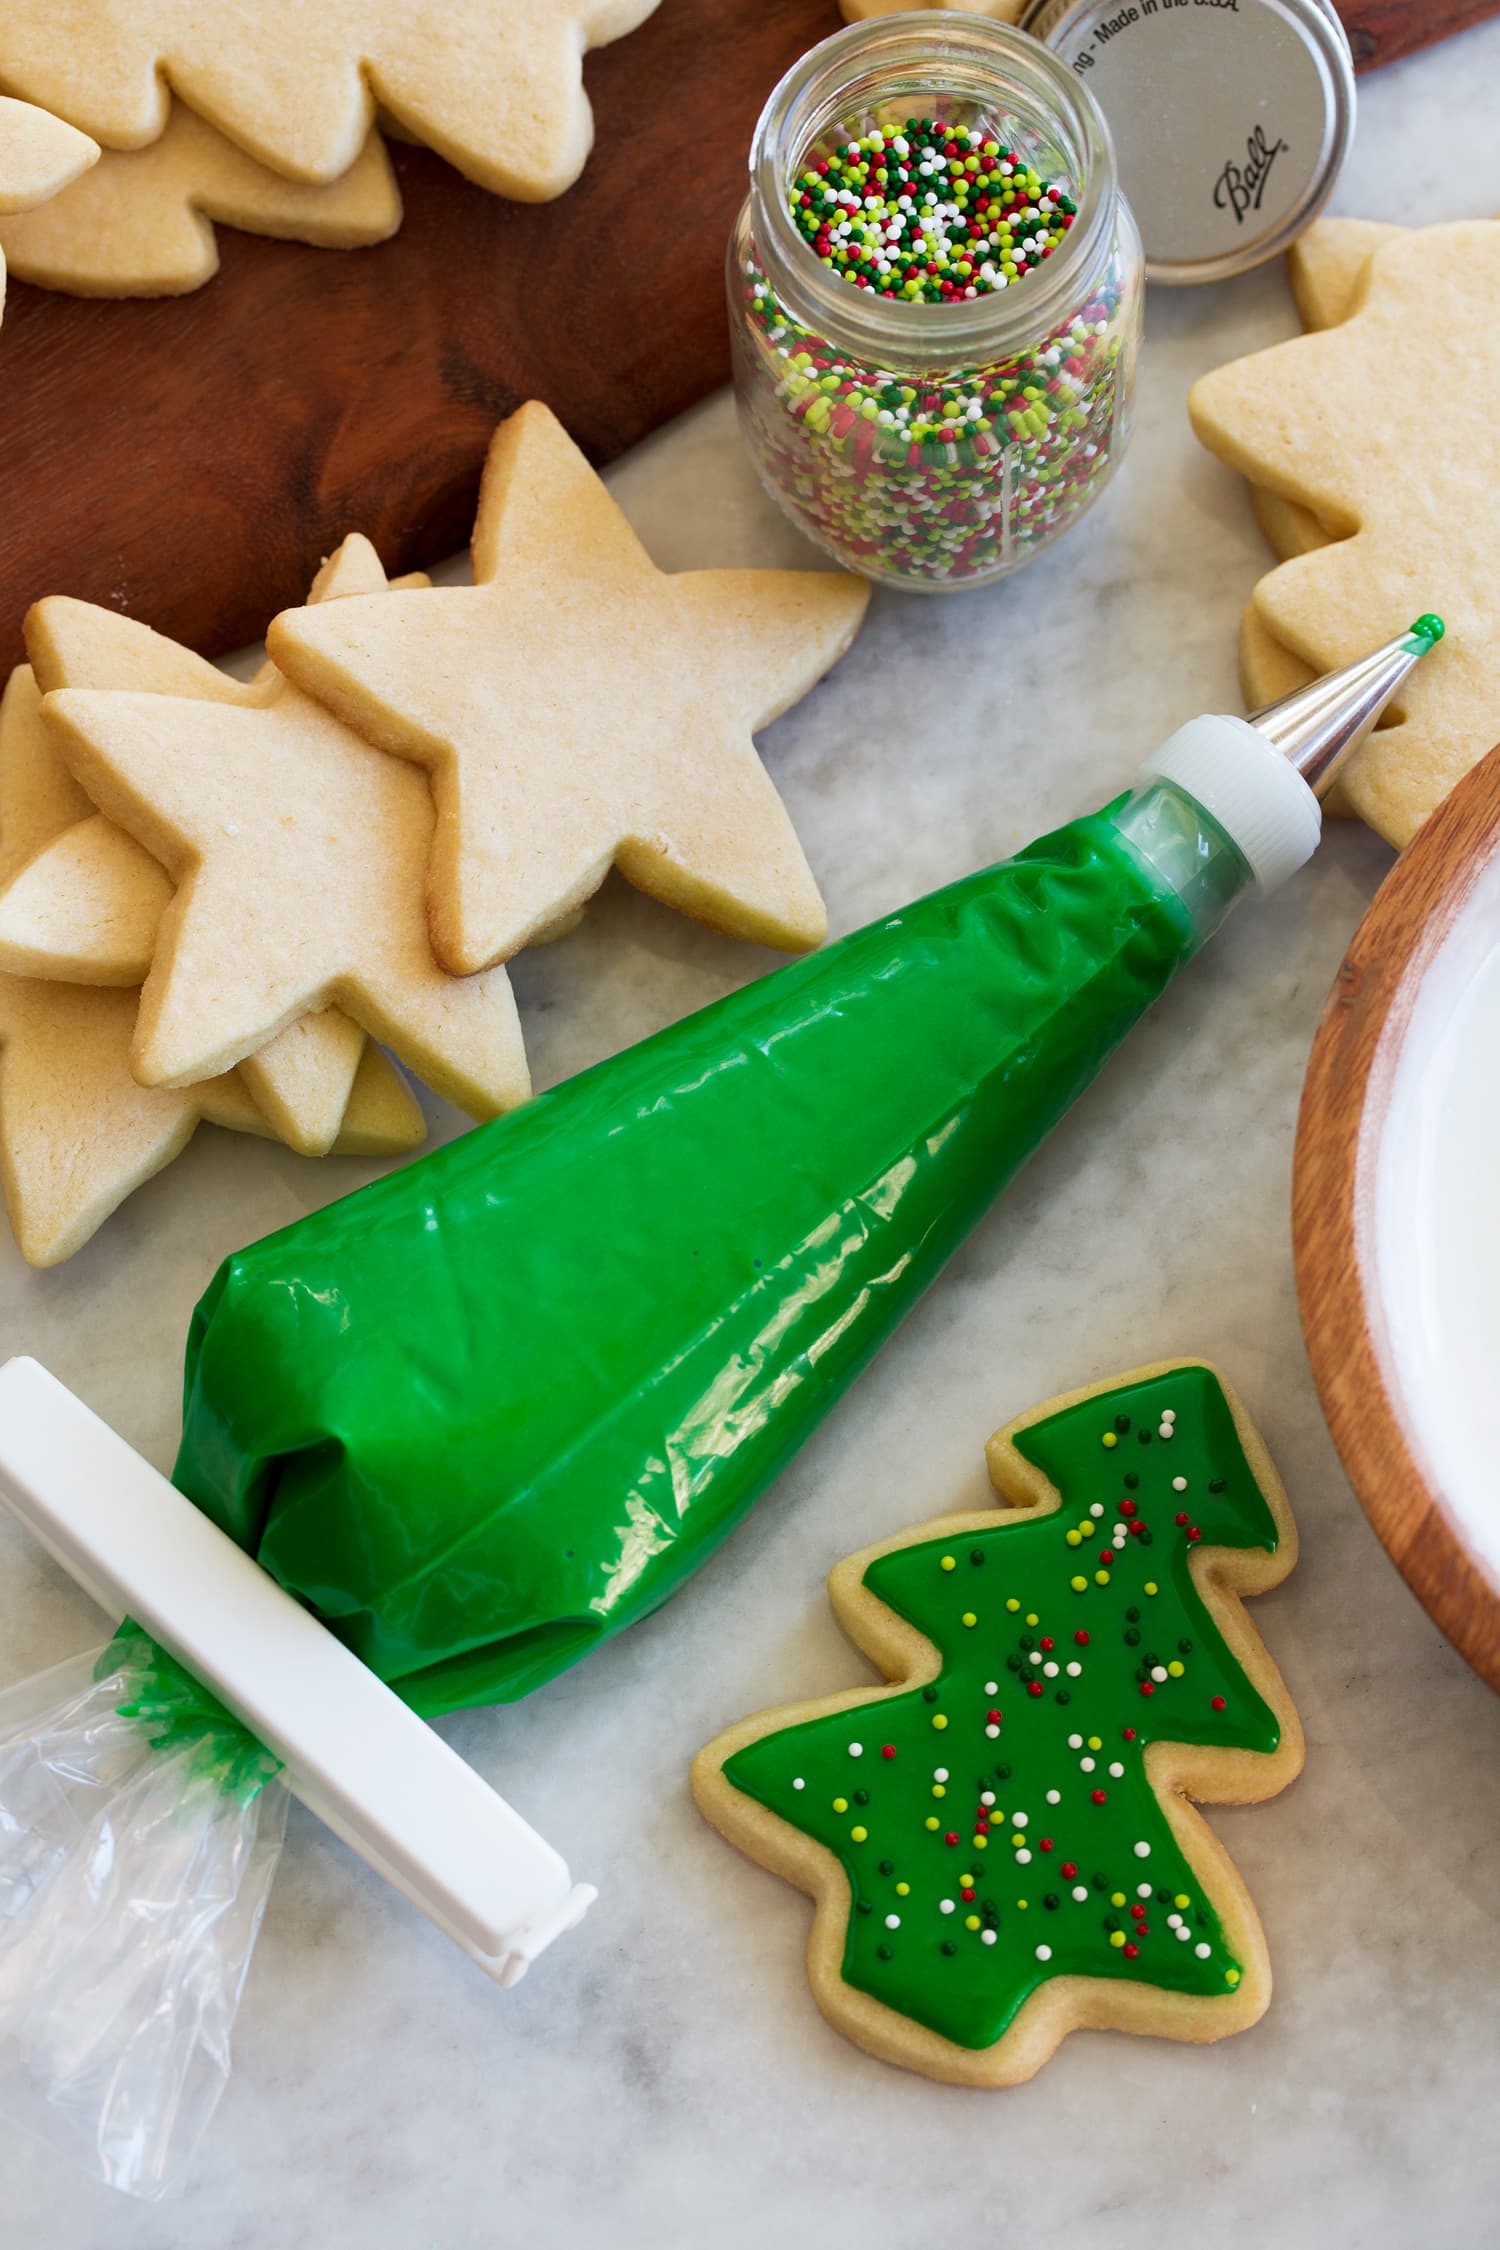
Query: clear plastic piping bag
pixel 140 1828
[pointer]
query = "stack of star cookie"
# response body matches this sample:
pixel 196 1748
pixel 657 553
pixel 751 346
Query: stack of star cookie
pixel 215 896
pixel 1376 478
pixel 265 120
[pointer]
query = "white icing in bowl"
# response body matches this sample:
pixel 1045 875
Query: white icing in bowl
pixel 1436 1230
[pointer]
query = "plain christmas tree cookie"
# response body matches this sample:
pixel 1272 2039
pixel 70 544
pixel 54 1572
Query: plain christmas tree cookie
pixel 579 708
pixel 496 86
pixel 1002 1842
pixel 40 157
pixel 141 222
pixel 1410 500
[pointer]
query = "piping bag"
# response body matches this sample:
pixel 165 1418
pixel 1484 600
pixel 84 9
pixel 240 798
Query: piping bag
pixel 445 1437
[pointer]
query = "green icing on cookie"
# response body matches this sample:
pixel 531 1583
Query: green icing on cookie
pixel 996 1825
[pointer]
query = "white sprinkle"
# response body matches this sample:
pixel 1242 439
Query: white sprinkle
pixel 1158 1673
pixel 1143 1890
pixel 1143 1850
pixel 893 1921
pixel 1169 1413
pixel 231 828
pixel 1080 1892
pixel 1049 1671
pixel 1179 1484
pixel 993 1732
pixel 1097 1509
pixel 1183 1932
pixel 1044 1952
pixel 1054 1796
pixel 945 1906
pixel 1074 1671
pixel 986 1796
pixel 1019 1820
pixel 1085 1765
pixel 799 1783
pixel 856 1749
pixel 1174 1921
pixel 1116 1770
pixel 987 1937
pixel 1023 1859
pixel 1075 1741
pixel 992 1687
pixel 1203 1951
pixel 1165 1431
pixel 940 1773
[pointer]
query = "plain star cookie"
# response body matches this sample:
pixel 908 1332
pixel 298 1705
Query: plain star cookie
pixel 579 708
pixel 496 86
pixel 1319 421
pixel 1002 1842
pixel 87 909
pixel 40 157
pixel 297 853
pixel 141 223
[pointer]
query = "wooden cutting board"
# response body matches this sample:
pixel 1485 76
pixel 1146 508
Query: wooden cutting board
pixel 191 460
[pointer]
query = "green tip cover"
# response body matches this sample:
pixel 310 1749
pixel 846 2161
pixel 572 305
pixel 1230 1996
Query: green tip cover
pixel 1429 627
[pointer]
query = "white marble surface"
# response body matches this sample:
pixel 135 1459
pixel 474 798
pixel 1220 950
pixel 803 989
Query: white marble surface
pixel 663 2077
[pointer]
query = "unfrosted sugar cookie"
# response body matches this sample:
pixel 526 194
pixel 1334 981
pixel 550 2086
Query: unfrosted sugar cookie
pixel 496 86
pixel 1407 498
pixel 40 156
pixel 1002 1842
pixel 580 709
pixel 141 222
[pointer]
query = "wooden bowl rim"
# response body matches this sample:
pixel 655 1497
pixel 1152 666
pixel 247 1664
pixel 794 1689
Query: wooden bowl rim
pixel 1345 1102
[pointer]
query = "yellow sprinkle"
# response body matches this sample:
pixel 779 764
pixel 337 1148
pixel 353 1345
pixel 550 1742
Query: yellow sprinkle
pixel 1079 1585
pixel 939 1721
pixel 1087 1530
pixel 841 1804
pixel 931 1823
pixel 1117 1937
pixel 1074 1538
pixel 1231 1976
pixel 971 1921
pixel 1021 1902
pixel 1095 1743
pixel 1151 1585
pixel 1101 1577
pixel 971 1619
pixel 938 1790
pixel 1032 1618
pixel 1117 1898
pixel 1182 1899
pixel 1175 1670
pixel 1012 1604
pixel 903 1890
pixel 980 1843
pixel 1109 1440
pixel 949 1563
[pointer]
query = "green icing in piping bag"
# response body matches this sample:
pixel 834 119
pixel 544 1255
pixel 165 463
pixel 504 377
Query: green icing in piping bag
pixel 497 1406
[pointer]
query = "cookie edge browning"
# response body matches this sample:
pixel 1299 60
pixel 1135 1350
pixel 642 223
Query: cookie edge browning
pixel 1181 1775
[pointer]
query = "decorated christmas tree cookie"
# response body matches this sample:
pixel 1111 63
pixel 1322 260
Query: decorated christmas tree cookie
pixel 1001 1842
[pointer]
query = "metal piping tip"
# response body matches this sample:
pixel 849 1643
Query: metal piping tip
pixel 1316 727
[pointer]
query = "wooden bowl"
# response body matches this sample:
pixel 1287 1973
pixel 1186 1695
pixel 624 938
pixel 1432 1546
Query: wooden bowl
pixel 1396 1215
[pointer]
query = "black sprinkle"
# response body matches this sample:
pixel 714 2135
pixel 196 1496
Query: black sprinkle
pixel 1133 1637
pixel 1164 1896
pixel 1132 1482
pixel 1064 1695
pixel 1144 1535
pixel 1122 1423
pixel 1027 1641
pixel 884 1952
pixel 976 1556
pixel 1101 1882
pixel 887 1867
pixel 1012 1662
pixel 1002 1773
pixel 864 1907
pixel 1217 1484
pixel 1132 1617
pixel 949 1947
pixel 861 1796
pixel 1184 1648
pixel 1052 1902
pixel 1144 1436
pixel 929 1695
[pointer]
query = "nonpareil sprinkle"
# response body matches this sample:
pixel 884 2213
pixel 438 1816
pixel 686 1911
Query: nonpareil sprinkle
pixel 936 213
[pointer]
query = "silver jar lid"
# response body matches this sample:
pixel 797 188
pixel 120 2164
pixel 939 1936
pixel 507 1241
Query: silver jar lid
pixel 1230 118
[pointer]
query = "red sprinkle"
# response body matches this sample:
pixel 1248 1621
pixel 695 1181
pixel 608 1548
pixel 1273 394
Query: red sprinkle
pixel 1047 1644
pixel 1046 1843
pixel 1128 1733
pixel 1082 1639
pixel 1098 1796
pixel 1130 1951
pixel 1181 1516
pixel 1147 1688
pixel 1033 1687
pixel 1069 1868
pixel 888 1749
pixel 1218 1703
pixel 951 1837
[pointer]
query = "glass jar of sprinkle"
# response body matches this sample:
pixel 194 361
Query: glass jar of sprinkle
pixel 935 293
